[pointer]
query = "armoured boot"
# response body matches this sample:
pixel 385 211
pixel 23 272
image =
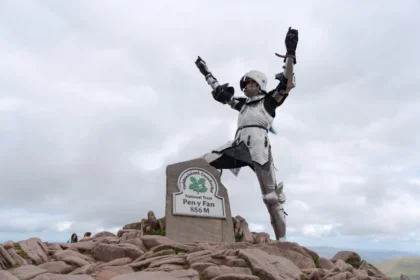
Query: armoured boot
pixel 273 202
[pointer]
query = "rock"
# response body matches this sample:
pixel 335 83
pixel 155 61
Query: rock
pixel 170 260
pixel 109 252
pixel 372 270
pixel 35 249
pixel 187 274
pixel 176 247
pixel 75 261
pixel 242 229
pixel 234 276
pixel 15 256
pixel 155 254
pixel 50 276
pixel 201 246
pixel 109 240
pixel 291 246
pixel 6 258
pixel 104 234
pixel 57 267
pixel 361 274
pixel 27 272
pixel 131 235
pixel 261 237
pixel 166 268
pixel 138 265
pixel 404 277
pixel 197 255
pixel 237 263
pixel 84 247
pixel 346 256
pixel 326 263
pixel 137 226
pixel 342 266
pixel 55 246
pixel 270 267
pixel 136 242
pixel 298 259
pixel 8 245
pixel 60 255
pixel 214 271
pixel 5 275
pixel 201 266
pixel 117 262
pixel 316 274
pixel 341 276
pixel 86 269
pixel 151 241
pixel 108 272
pixel 3 265
pixel 313 254
pixel 151 218
pixel 158 257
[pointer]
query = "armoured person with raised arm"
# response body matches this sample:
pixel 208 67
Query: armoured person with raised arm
pixel 251 145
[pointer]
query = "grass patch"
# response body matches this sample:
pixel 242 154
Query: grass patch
pixel 316 261
pixel 20 252
pixel 12 266
pixel 238 237
pixel 161 232
pixel 354 263
pixel 186 266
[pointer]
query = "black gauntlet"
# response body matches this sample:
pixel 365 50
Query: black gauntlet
pixel 223 93
pixel 291 41
pixel 202 66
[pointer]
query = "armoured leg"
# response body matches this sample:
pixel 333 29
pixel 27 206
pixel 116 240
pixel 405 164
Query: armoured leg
pixel 273 196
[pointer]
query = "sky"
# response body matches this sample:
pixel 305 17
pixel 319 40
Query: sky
pixel 98 97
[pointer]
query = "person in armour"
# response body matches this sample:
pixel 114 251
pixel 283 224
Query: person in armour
pixel 251 145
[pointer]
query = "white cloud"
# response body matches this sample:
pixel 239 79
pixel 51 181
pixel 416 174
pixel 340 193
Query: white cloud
pixel 256 227
pixel 312 230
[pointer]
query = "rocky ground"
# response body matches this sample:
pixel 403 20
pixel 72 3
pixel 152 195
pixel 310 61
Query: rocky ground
pixel 136 253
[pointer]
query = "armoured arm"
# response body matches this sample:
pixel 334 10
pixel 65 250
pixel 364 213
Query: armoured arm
pixel 221 93
pixel 236 103
pixel 287 80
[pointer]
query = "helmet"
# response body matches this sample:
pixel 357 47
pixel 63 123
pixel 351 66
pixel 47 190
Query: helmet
pixel 257 76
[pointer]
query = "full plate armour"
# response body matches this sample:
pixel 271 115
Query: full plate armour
pixel 251 147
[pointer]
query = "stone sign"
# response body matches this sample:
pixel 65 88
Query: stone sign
pixel 197 204
pixel 197 195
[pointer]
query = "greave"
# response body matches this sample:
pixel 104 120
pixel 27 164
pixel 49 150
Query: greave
pixel 277 216
pixel 273 197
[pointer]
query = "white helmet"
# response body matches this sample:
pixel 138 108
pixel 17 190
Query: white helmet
pixel 258 77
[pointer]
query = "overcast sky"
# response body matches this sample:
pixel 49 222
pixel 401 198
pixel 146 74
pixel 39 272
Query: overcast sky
pixel 98 97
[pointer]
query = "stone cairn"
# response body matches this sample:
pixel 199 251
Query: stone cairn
pixel 140 251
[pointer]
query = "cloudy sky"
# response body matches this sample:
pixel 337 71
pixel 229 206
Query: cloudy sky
pixel 98 97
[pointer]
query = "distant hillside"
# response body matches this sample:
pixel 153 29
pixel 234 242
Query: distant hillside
pixel 371 256
pixel 409 266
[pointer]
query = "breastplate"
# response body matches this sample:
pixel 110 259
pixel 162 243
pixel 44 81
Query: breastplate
pixel 254 114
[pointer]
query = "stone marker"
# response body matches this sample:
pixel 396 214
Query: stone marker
pixel 197 204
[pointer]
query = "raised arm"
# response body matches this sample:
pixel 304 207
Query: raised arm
pixel 221 93
pixel 287 80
